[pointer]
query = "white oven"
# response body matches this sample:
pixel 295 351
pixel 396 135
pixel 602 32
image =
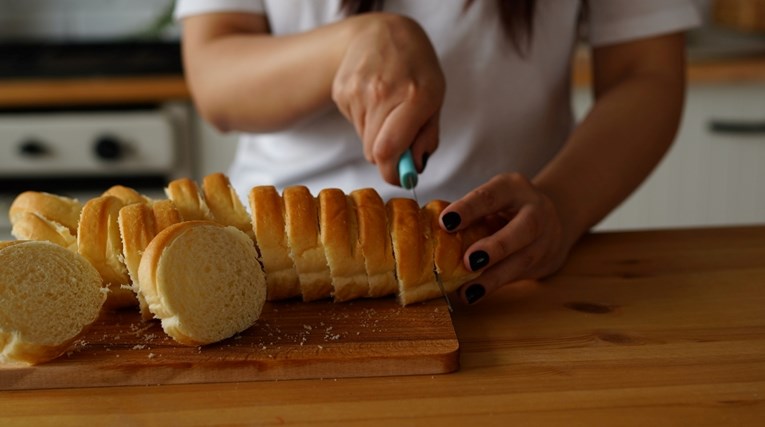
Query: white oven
pixel 81 153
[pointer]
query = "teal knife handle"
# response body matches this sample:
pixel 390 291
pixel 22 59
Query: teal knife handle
pixel 407 173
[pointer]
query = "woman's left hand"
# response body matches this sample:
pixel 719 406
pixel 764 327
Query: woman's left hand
pixel 531 245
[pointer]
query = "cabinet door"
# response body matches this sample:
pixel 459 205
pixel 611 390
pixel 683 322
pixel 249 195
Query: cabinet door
pixel 714 174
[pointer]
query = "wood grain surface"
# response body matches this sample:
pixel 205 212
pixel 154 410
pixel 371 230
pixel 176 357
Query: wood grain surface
pixel 639 328
pixel 291 340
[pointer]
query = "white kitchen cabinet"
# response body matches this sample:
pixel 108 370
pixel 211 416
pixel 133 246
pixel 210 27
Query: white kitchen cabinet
pixel 708 177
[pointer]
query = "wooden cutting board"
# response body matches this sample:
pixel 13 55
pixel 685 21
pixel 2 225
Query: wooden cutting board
pixel 291 340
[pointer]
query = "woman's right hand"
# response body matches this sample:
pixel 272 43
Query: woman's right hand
pixel 390 85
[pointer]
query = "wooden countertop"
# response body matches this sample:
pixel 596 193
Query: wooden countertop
pixel 639 328
pixel 750 69
pixel 91 91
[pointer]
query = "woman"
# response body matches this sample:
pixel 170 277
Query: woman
pixel 332 93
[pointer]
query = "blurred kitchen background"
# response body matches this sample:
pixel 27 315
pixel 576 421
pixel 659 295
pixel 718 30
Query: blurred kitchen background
pixel 92 94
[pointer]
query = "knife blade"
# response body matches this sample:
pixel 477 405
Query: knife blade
pixel 407 175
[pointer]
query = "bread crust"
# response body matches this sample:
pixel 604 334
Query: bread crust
pixel 99 241
pixel 127 195
pixel 32 226
pixel 339 236
pixel 60 209
pixel 375 242
pixel 413 251
pixel 224 203
pixel 137 228
pixel 187 198
pixel 270 234
pixel 302 226
pixel 449 249
pixel 165 214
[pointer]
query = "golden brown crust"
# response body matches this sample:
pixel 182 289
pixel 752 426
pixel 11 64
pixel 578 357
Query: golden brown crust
pixel 449 249
pixel 269 229
pixel 63 210
pixel 337 225
pixel 127 195
pixel 374 238
pixel 224 203
pixel 137 229
pixel 98 240
pixel 31 226
pixel 302 226
pixel 187 198
pixel 165 214
pixel 412 250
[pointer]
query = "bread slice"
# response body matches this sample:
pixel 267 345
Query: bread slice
pixel 189 201
pixel 137 228
pixel 449 249
pixel 48 298
pixel 203 281
pixel 63 210
pixel 165 214
pixel 413 251
pixel 98 240
pixel 271 237
pixel 32 226
pixel 127 195
pixel 338 229
pixel 301 216
pixel 374 237
pixel 224 203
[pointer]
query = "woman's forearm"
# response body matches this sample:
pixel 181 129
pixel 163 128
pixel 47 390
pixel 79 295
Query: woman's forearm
pixel 631 125
pixel 243 78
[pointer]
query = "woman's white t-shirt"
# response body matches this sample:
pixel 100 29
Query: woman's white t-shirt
pixel 502 112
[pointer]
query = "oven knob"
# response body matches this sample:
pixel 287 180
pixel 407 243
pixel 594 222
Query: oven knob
pixel 109 148
pixel 33 148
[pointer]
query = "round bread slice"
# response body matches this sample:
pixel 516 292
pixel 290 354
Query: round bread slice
pixel 98 240
pixel 413 251
pixel 374 237
pixel 339 235
pixel 48 298
pixel 269 227
pixel 203 281
pixel 224 203
pixel 189 201
pixel 62 210
pixel 301 215
pixel 31 226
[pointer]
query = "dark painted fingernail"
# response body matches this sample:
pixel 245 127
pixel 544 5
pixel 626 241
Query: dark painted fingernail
pixel 474 292
pixel 451 220
pixel 478 260
pixel 425 158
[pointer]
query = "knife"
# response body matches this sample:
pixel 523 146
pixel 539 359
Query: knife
pixel 407 175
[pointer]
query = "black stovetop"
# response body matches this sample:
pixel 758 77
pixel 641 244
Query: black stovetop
pixel 88 59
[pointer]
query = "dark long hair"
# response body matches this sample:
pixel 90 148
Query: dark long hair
pixel 517 17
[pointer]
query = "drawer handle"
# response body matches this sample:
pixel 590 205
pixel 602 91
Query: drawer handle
pixel 737 127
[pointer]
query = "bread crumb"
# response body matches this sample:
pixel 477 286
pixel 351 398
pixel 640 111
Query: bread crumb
pixel 151 355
